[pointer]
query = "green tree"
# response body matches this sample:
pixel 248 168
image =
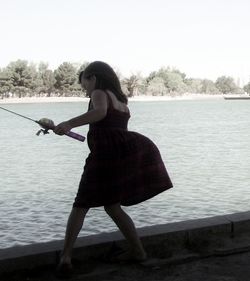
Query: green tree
pixel 246 88
pixel 131 84
pixel 151 76
pixel 173 79
pixel 46 79
pixel 34 82
pixel 208 87
pixel 5 83
pixel 156 87
pixel 194 86
pixel 66 77
pixel 226 85
pixel 22 77
pixel 175 83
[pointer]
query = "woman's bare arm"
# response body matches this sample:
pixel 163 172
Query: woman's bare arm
pixel 99 111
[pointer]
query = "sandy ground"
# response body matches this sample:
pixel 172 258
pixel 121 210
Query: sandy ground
pixel 83 99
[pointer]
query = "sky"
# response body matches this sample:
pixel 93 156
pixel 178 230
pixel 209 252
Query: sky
pixel 202 38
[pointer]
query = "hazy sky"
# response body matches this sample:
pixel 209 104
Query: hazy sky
pixel 203 38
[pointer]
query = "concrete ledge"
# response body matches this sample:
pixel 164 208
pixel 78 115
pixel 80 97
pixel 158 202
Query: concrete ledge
pixel 240 222
pixel 159 240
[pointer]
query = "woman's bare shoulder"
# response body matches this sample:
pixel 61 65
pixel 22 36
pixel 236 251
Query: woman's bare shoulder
pixel 118 105
pixel 98 98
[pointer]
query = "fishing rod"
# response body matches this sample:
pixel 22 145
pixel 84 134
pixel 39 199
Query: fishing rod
pixel 46 124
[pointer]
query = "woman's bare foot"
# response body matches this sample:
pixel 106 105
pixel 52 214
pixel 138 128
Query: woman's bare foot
pixel 64 270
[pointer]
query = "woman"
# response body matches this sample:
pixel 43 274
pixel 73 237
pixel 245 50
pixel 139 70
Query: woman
pixel 123 167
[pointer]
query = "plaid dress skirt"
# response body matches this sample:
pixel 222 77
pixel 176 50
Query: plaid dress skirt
pixel 123 167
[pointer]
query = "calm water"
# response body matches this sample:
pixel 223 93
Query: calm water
pixel 204 144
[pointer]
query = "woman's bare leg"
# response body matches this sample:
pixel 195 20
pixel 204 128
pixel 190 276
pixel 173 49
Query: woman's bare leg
pixel 74 225
pixel 127 227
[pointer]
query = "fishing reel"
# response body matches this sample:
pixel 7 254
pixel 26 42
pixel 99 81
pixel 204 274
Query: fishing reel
pixel 46 124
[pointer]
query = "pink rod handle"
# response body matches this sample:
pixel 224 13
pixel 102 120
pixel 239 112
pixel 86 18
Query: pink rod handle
pixel 75 136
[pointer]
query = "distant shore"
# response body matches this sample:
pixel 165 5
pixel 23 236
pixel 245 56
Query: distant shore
pixel 84 99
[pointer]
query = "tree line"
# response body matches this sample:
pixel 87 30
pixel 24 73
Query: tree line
pixel 23 79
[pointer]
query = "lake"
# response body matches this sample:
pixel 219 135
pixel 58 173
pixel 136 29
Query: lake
pixel 204 144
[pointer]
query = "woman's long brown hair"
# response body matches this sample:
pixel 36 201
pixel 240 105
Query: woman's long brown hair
pixel 106 79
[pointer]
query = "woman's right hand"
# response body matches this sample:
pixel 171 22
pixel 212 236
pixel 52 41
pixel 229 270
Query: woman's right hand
pixel 62 128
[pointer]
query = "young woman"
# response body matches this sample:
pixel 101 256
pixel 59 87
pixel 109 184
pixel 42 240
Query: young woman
pixel 123 167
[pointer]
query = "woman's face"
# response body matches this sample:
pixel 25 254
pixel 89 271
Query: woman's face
pixel 88 84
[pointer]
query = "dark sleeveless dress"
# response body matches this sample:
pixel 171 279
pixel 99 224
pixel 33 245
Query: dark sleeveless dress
pixel 123 166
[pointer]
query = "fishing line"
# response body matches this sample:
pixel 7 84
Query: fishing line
pixel 18 114
pixel 47 125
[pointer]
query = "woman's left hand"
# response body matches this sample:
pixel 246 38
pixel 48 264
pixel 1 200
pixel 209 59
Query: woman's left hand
pixel 62 128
